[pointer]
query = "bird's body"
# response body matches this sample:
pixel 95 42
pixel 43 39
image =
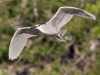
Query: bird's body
pixel 51 28
pixel 51 31
pixel 47 29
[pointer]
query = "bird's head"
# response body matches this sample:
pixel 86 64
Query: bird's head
pixel 38 25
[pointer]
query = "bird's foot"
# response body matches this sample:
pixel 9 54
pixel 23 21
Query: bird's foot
pixel 61 39
pixel 64 41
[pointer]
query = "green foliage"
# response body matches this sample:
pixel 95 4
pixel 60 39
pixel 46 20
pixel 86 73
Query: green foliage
pixel 16 13
pixel 3 72
pixel 96 32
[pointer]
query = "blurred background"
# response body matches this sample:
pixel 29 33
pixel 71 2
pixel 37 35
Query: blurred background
pixel 41 56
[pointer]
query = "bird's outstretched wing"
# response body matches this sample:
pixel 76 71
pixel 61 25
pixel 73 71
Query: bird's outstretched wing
pixel 19 41
pixel 64 15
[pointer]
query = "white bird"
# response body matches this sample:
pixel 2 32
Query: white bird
pixel 51 28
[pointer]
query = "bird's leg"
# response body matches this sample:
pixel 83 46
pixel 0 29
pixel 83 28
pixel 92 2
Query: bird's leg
pixel 60 39
pixel 64 41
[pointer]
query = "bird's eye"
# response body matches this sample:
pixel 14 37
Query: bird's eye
pixel 38 24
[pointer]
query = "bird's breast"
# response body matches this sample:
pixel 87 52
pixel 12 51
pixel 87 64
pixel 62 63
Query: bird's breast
pixel 47 29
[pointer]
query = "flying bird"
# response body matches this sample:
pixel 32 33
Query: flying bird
pixel 52 28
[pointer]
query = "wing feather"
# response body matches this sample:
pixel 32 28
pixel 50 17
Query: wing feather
pixel 64 15
pixel 19 41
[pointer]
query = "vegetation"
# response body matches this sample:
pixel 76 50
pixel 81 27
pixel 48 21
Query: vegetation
pixel 41 56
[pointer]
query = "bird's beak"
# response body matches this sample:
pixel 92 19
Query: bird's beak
pixel 34 27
